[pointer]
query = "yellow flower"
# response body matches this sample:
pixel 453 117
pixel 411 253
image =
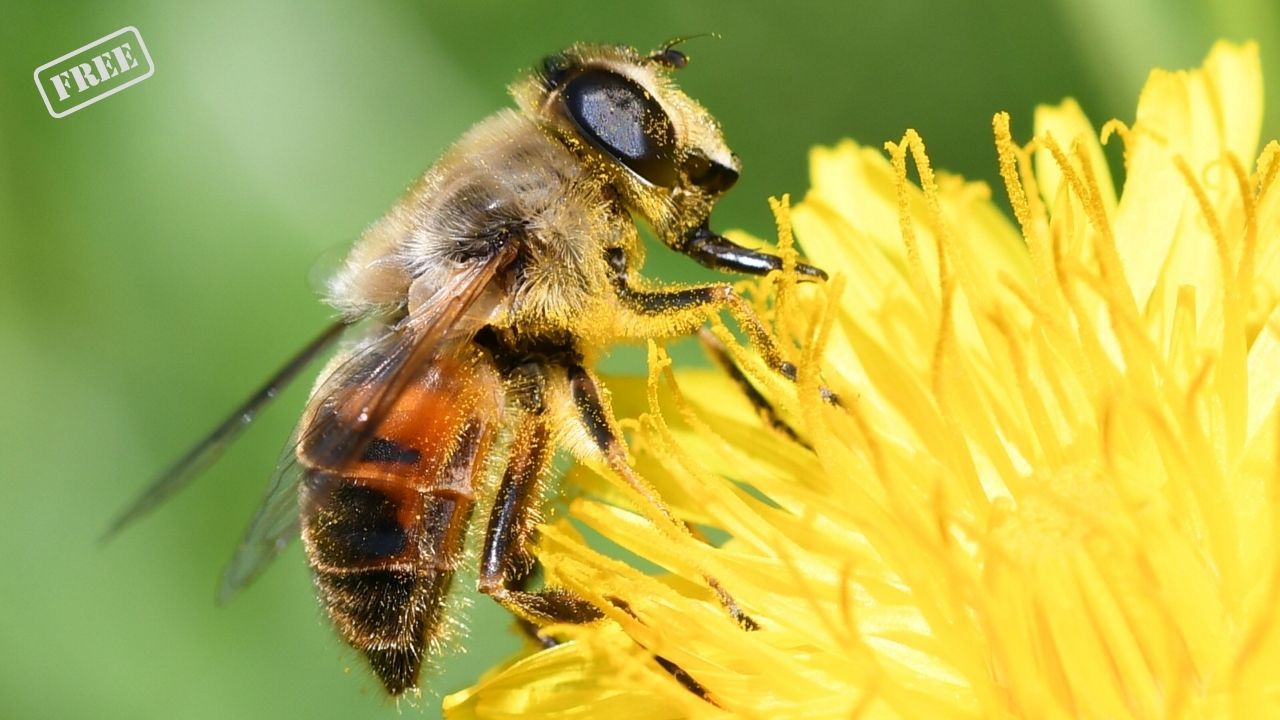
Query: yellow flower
pixel 1053 489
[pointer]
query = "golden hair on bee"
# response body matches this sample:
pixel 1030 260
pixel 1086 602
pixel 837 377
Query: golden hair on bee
pixel 474 311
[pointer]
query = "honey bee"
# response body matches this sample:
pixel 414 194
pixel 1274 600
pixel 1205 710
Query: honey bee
pixel 472 313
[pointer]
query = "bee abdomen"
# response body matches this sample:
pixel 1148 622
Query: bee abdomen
pixel 375 608
pixel 391 616
pixel 383 556
pixel 358 525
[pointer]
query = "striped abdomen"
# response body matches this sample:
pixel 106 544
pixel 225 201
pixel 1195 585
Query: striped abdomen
pixel 385 533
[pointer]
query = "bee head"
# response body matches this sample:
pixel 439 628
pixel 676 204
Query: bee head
pixel 623 114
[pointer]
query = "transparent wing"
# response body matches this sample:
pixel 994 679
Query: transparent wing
pixel 206 452
pixel 274 525
pixel 353 400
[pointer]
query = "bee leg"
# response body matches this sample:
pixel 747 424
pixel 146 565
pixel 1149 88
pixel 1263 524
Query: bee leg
pixel 521 582
pixel 506 562
pixel 534 633
pixel 657 313
pixel 720 253
pixel 765 409
pixel 683 310
pixel 598 421
pixel 680 675
pixel 600 425
pixel 531 630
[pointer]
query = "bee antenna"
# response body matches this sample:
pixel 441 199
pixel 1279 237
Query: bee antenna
pixel 672 58
pixel 682 39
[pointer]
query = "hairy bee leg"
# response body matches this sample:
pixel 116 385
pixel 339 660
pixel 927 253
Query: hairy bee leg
pixel 534 633
pixel 765 409
pixel 678 673
pixel 506 568
pixel 657 312
pixel 521 582
pixel 597 418
pixel 531 629
pixel 505 562
pixel 720 253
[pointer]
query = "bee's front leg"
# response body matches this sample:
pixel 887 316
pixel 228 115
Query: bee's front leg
pixel 650 313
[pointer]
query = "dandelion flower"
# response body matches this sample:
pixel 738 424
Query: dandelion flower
pixel 1053 487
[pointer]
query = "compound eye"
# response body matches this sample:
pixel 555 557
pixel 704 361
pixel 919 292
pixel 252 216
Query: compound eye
pixel 620 118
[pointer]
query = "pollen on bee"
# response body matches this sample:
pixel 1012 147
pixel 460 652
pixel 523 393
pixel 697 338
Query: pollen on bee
pixel 475 310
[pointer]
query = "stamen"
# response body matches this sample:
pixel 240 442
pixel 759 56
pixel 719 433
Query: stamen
pixel 1056 330
pixel 1030 212
pixel 1194 447
pixel 944 367
pixel 753 365
pixel 1114 287
pixel 1268 164
pixel 1211 220
pixel 1244 272
pixel 1047 254
pixel 786 280
pixel 1114 126
pixel 734 511
pixel 944 247
pixel 915 266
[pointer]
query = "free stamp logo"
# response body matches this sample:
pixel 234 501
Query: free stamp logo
pixel 98 70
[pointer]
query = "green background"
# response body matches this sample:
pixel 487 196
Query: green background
pixel 156 247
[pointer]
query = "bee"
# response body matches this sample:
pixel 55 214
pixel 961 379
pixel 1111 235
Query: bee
pixel 470 317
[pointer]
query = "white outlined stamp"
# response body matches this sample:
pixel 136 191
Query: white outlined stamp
pixel 98 70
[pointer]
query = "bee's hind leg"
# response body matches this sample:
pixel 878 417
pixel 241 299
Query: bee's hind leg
pixel 597 419
pixel 528 628
pixel 516 597
pixel 506 563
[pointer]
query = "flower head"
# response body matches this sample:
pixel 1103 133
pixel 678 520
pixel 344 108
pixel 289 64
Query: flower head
pixel 1052 487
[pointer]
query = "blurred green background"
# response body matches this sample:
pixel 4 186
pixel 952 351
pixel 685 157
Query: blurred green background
pixel 155 250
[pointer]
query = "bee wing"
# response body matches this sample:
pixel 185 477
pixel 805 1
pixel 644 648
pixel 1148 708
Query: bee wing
pixel 366 385
pixel 206 452
pixel 274 525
